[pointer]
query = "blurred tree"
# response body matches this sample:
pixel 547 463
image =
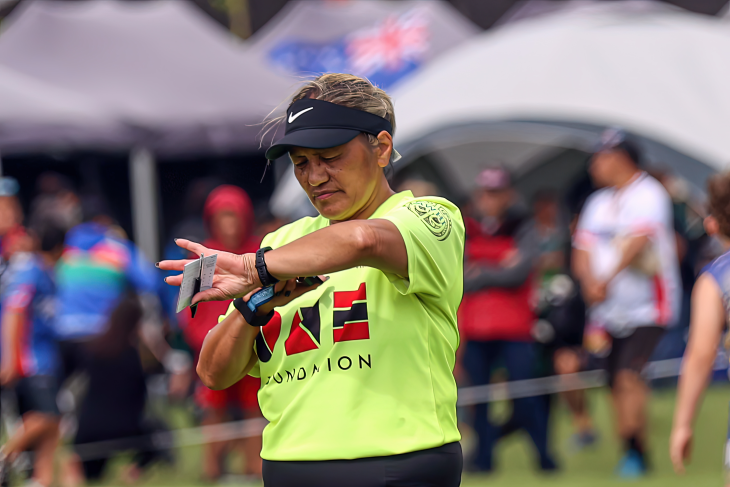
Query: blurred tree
pixel 234 14
pixel 239 17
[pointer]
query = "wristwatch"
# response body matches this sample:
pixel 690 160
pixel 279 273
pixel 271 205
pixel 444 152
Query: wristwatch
pixel 248 309
pixel 264 276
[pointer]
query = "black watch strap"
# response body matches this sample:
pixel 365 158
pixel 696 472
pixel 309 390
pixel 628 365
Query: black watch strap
pixel 251 317
pixel 264 276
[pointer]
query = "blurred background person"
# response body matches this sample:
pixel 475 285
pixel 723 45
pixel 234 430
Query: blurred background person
pixel 689 232
pixel 113 408
pixel 626 260
pixel 561 308
pixel 229 220
pixel 553 235
pixel 419 187
pixel 56 198
pixel 710 310
pixel 30 358
pixel 496 316
pixel 13 237
pixel 99 267
pixel 266 222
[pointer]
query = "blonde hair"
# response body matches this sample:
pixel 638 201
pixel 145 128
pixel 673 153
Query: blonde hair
pixel 347 90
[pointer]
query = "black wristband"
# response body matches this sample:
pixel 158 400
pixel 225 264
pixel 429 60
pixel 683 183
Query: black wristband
pixel 251 317
pixel 264 276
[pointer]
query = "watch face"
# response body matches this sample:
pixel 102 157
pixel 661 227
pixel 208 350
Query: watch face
pixel 309 281
pixel 261 297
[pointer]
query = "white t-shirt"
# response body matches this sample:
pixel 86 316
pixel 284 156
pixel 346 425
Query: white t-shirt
pixel 648 292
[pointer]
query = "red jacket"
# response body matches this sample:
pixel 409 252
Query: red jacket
pixel 229 198
pixel 495 313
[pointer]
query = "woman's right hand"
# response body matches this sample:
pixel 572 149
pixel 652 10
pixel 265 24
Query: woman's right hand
pixel 235 275
pixel 680 447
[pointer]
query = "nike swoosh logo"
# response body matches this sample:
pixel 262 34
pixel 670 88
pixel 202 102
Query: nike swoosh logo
pixel 294 116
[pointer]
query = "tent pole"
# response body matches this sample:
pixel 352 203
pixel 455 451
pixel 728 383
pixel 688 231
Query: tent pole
pixel 144 188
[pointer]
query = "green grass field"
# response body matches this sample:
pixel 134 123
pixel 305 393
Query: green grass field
pixel 594 467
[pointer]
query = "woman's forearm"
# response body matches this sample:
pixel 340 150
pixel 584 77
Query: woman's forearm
pixel 371 243
pixel 705 330
pixel 695 375
pixel 227 354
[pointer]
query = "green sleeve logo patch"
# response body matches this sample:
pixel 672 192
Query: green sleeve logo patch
pixel 434 216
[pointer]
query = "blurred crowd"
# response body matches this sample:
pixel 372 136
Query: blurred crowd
pixel 87 320
pixel 597 277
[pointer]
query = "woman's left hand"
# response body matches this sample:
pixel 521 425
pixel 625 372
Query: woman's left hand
pixel 680 447
pixel 287 291
pixel 235 275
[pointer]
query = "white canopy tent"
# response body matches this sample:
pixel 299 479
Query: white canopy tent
pixel 528 91
pixel 162 67
pixel 388 42
pixel 653 69
pixel 383 40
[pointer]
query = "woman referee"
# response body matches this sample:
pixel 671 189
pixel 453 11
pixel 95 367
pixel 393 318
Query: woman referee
pixel 356 373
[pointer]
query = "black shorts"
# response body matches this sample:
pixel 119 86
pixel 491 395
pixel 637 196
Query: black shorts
pixel 436 467
pixel 37 394
pixel 632 352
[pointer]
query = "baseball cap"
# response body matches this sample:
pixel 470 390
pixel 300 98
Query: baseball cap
pixel 319 124
pixel 494 179
pixel 616 138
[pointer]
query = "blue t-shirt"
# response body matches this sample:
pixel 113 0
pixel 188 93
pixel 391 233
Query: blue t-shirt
pixel 96 269
pixel 719 269
pixel 28 289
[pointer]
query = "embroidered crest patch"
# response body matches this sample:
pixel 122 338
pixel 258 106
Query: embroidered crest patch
pixel 434 216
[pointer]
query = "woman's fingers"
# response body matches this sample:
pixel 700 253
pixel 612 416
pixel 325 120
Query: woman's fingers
pixel 680 450
pixel 178 265
pixel 173 265
pixel 290 286
pixel 679 466
pixel 676 460
pixel 193 247
pixel 212 294
pixel 687 453
pixel 174 280
pixel 248 296
pixel 281 286
pixel 299 290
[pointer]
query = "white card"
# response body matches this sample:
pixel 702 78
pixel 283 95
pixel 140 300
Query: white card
pixel 206 278
pixel 192 272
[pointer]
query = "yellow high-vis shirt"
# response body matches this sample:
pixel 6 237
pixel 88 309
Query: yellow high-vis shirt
pixel 363 365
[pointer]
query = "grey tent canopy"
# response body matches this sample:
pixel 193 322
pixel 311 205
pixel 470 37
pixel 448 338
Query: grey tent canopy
pixel 163 68
pixel 35 115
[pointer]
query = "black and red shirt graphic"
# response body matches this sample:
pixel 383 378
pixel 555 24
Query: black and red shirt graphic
pixel 267 337
pixel 349 322
pixel 350 319
pixel 305 331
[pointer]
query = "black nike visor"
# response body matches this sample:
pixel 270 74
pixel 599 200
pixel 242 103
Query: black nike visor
pixel 319 124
